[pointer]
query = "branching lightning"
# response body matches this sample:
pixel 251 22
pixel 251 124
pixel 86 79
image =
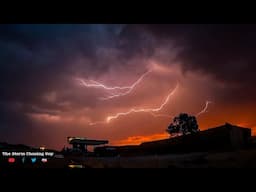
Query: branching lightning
pixel 147 110
pixel 118 91
pixel 109 118
pixel 204 109
pixel 96 84
pixel 128 89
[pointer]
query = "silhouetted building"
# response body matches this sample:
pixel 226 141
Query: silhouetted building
pixel 80 144
pixel 222 138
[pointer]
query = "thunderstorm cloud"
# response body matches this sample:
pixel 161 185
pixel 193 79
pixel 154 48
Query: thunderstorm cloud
pixel 42 102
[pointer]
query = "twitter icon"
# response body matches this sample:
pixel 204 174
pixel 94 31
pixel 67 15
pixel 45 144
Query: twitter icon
pixel 33 160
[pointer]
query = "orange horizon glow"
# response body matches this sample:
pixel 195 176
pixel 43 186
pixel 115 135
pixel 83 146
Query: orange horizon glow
pixel 136 140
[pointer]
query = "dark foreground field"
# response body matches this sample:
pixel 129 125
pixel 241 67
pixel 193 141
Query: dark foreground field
pixel 239 159
pixel 235 159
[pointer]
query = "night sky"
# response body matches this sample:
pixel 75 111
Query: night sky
pixel 123 83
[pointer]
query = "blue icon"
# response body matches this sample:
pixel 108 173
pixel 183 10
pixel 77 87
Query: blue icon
pixel 33 160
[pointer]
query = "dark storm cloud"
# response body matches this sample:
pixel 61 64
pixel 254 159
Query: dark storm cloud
pixel 39 62
pixel 35 58
pixel 39 59
pixel 227 52
pixel 224 50
pixel 135 42
pixel 35 61
pixel 14 124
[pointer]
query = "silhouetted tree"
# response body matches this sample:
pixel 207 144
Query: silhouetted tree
pixel 183 124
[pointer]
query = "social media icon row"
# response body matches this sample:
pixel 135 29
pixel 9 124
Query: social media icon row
pixel 23 160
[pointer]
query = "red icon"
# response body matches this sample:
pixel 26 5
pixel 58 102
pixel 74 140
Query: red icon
pixel 11 160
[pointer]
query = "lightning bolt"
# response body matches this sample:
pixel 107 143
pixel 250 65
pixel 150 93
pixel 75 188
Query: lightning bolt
pixel 128 89
pixel 96 84
pixel 151 111
pixel 204 109
pixel 118 91
pixel 148 110
pixel 153 114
